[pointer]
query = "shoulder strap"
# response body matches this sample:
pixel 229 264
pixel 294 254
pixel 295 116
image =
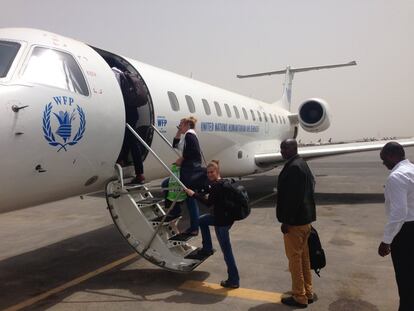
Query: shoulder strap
pixel 204 159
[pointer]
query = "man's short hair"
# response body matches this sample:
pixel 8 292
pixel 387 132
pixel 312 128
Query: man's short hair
pixel 393 148
pixel 290 143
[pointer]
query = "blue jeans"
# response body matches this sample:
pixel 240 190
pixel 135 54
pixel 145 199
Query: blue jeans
pixel 223 237
pixel 192 207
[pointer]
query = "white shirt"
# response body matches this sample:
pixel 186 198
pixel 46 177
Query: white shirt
pixel 181 144
pixel 399 199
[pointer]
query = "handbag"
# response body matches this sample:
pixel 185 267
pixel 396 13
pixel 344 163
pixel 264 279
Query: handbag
pixel 194 177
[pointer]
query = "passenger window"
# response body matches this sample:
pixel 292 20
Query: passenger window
pixel 271 117
pixel 236 112
pixel 259 115
pixel 276 119
pixel 245 113
pixel 228 111
pixel 284 120
pixel 206 106
pixel 253 116
pixel 280 119
pixel 218 109
pixel 190 103
pixel 175 105
pixel 265 116
pixel 55 68
pixel 8 51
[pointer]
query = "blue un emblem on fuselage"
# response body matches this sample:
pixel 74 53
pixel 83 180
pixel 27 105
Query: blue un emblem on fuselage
pixel 64 114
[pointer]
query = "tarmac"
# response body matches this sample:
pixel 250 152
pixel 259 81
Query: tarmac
pixel 68 255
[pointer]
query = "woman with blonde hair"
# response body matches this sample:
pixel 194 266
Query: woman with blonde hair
pixel 192 173
pixel 222 221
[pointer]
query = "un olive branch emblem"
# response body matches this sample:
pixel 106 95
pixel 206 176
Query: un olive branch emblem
pixel 65 127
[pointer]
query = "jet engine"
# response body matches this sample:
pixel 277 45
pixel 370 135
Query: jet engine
pixel 314 115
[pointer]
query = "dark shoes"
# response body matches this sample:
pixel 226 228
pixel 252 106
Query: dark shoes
pixel 313 299
pixel 310 300
pixel 138 180
pixel 290 301
pixel 227 284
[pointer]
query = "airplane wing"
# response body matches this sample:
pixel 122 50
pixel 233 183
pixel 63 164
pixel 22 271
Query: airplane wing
pixel 320 151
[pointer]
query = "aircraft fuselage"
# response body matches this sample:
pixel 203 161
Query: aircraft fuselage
pixel 63 119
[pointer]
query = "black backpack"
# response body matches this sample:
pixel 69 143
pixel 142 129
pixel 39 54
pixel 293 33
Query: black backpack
pixel 236 200
pixel 316 252
pixel 133 90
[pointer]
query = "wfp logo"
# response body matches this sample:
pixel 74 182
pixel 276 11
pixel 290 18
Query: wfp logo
pixel 65 116
pixel 162 123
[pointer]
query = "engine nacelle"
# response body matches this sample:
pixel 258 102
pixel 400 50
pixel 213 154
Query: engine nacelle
pixel 314 115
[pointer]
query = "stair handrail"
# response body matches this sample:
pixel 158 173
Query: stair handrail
pixel 129 127
pixel 165 140
pixel 120 174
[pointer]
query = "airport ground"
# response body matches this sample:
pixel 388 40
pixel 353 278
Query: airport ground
pixel 67 255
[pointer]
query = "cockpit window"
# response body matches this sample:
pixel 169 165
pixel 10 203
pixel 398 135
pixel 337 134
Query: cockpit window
pixel 8 51
pixel 55 68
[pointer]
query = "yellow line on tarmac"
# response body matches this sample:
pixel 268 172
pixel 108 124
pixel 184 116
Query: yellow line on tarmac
pixel 216 289
pixel 72 283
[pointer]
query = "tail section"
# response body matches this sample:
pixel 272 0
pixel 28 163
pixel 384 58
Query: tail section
pixel 289 73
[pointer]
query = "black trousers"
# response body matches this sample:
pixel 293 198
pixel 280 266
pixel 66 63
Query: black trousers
pixel 402 253
pixel 132 144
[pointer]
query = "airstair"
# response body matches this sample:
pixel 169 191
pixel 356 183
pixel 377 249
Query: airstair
pixel 146 225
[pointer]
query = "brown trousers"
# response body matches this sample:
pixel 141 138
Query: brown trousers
pixel 297 252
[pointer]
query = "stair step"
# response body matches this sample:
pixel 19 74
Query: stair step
pixel 198 256
pixel 136 213
pixel 181 237
pixel 150 201
pixel 167 219
pixel 130 187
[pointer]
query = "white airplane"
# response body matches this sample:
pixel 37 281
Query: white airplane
pixel 63 123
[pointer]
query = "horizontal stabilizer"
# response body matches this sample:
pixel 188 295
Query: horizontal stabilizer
pixel 293 70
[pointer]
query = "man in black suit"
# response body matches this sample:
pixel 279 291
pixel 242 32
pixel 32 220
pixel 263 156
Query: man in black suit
pixel 295 211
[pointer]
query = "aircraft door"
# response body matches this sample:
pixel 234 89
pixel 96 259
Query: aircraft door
pixel 140 105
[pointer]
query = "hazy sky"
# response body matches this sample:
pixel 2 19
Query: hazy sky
pixel 215 40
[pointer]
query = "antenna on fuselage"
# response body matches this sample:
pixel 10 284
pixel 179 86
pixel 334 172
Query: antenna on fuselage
pixel 289 73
